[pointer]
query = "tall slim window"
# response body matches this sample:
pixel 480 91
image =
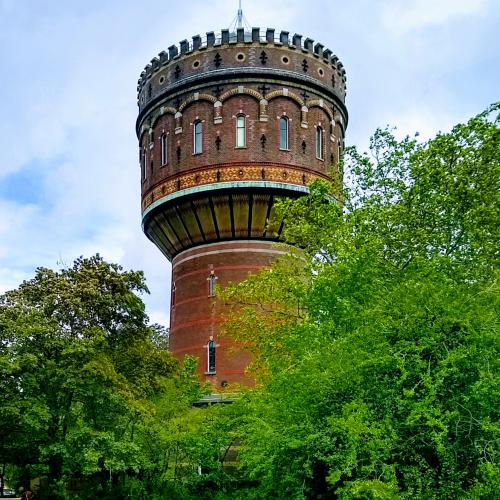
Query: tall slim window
pixel 143 164
pixel 197 138
pixel 284 132
pixel 241 139
pixel 211 356
pixel 319 143
pixel 164 150
pixel 212 280
pixel 173 296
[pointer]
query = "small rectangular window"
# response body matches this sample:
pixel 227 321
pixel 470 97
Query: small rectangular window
pixel 143 163
pixel 319 143
pixel 211 356
pixel 212 280
pixel 240 132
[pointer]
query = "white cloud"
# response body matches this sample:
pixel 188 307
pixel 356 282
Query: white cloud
pixel 411 15
pixel 424 121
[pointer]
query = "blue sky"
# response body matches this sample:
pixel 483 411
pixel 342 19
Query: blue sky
pixel 69 175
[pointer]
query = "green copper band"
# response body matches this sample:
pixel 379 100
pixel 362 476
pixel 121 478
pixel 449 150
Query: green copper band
pixel 223 185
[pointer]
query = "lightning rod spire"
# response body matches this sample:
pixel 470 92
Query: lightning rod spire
pixel 240 17
pixel 240 20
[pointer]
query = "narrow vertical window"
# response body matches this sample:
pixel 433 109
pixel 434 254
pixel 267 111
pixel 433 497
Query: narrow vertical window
pixel 164 150
pixel 211 356
pixel 173 296
pixel 152 167
pixel 241 131
pixel 197 138
pixel 319 143
pixel 212 280
pixel 284 132
pixel 143 164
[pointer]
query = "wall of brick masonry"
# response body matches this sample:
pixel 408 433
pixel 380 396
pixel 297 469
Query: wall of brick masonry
pixel 196 316
pixel 301 152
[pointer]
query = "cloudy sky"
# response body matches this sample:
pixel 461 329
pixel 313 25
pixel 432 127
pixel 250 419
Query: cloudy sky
pixel 69 175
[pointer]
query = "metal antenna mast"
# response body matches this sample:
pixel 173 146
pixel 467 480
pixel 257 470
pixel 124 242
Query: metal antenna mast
pixel 240 21
pixel 240 17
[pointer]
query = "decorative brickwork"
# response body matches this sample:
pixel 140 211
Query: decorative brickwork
pixel 224 173
pixel 197 316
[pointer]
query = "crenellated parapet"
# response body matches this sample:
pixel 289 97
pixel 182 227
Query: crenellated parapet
pixel 243 52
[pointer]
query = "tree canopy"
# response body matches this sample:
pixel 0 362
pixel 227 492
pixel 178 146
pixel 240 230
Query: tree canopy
pixel 376 345
pixel 79 374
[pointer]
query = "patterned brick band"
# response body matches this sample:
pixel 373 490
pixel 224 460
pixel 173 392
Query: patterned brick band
pixel 213 175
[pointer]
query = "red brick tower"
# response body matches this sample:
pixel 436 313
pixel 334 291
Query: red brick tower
pixel 227 124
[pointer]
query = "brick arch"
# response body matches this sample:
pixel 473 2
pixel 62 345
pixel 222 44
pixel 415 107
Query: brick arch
pixel 165 111
pixel 318 103
pixel 337 117
pixel 282 93
pixel 196 98
pixel 239 90
pixel 339 120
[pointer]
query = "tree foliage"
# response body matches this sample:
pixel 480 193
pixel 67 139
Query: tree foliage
pixel 376 346
pixel 81 373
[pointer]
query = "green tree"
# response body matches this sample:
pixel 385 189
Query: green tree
pixel 376 346
pixel 80 369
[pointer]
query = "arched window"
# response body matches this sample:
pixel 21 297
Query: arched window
pixel 284 132
pixel 241 139
pixel 197 138
pixel 164 149
pixel 212 280
pixel 319 143
pixel 211 356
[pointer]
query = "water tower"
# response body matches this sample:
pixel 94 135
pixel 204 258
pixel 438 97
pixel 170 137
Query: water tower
pixel 228 123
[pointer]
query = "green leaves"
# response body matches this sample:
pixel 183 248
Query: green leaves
pixel 375 350
pixel 78 371
pixel 376 346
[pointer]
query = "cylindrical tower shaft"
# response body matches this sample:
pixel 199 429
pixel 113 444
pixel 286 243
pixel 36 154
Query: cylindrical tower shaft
pixel 196 311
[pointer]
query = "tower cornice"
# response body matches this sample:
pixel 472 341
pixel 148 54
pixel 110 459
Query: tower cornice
pixel 256 38
pixel 242 75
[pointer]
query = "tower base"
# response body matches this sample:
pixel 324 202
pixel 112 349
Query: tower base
pixel 196 312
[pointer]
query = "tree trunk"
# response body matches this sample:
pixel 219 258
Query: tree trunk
pixel 55 475
pixel 2 476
